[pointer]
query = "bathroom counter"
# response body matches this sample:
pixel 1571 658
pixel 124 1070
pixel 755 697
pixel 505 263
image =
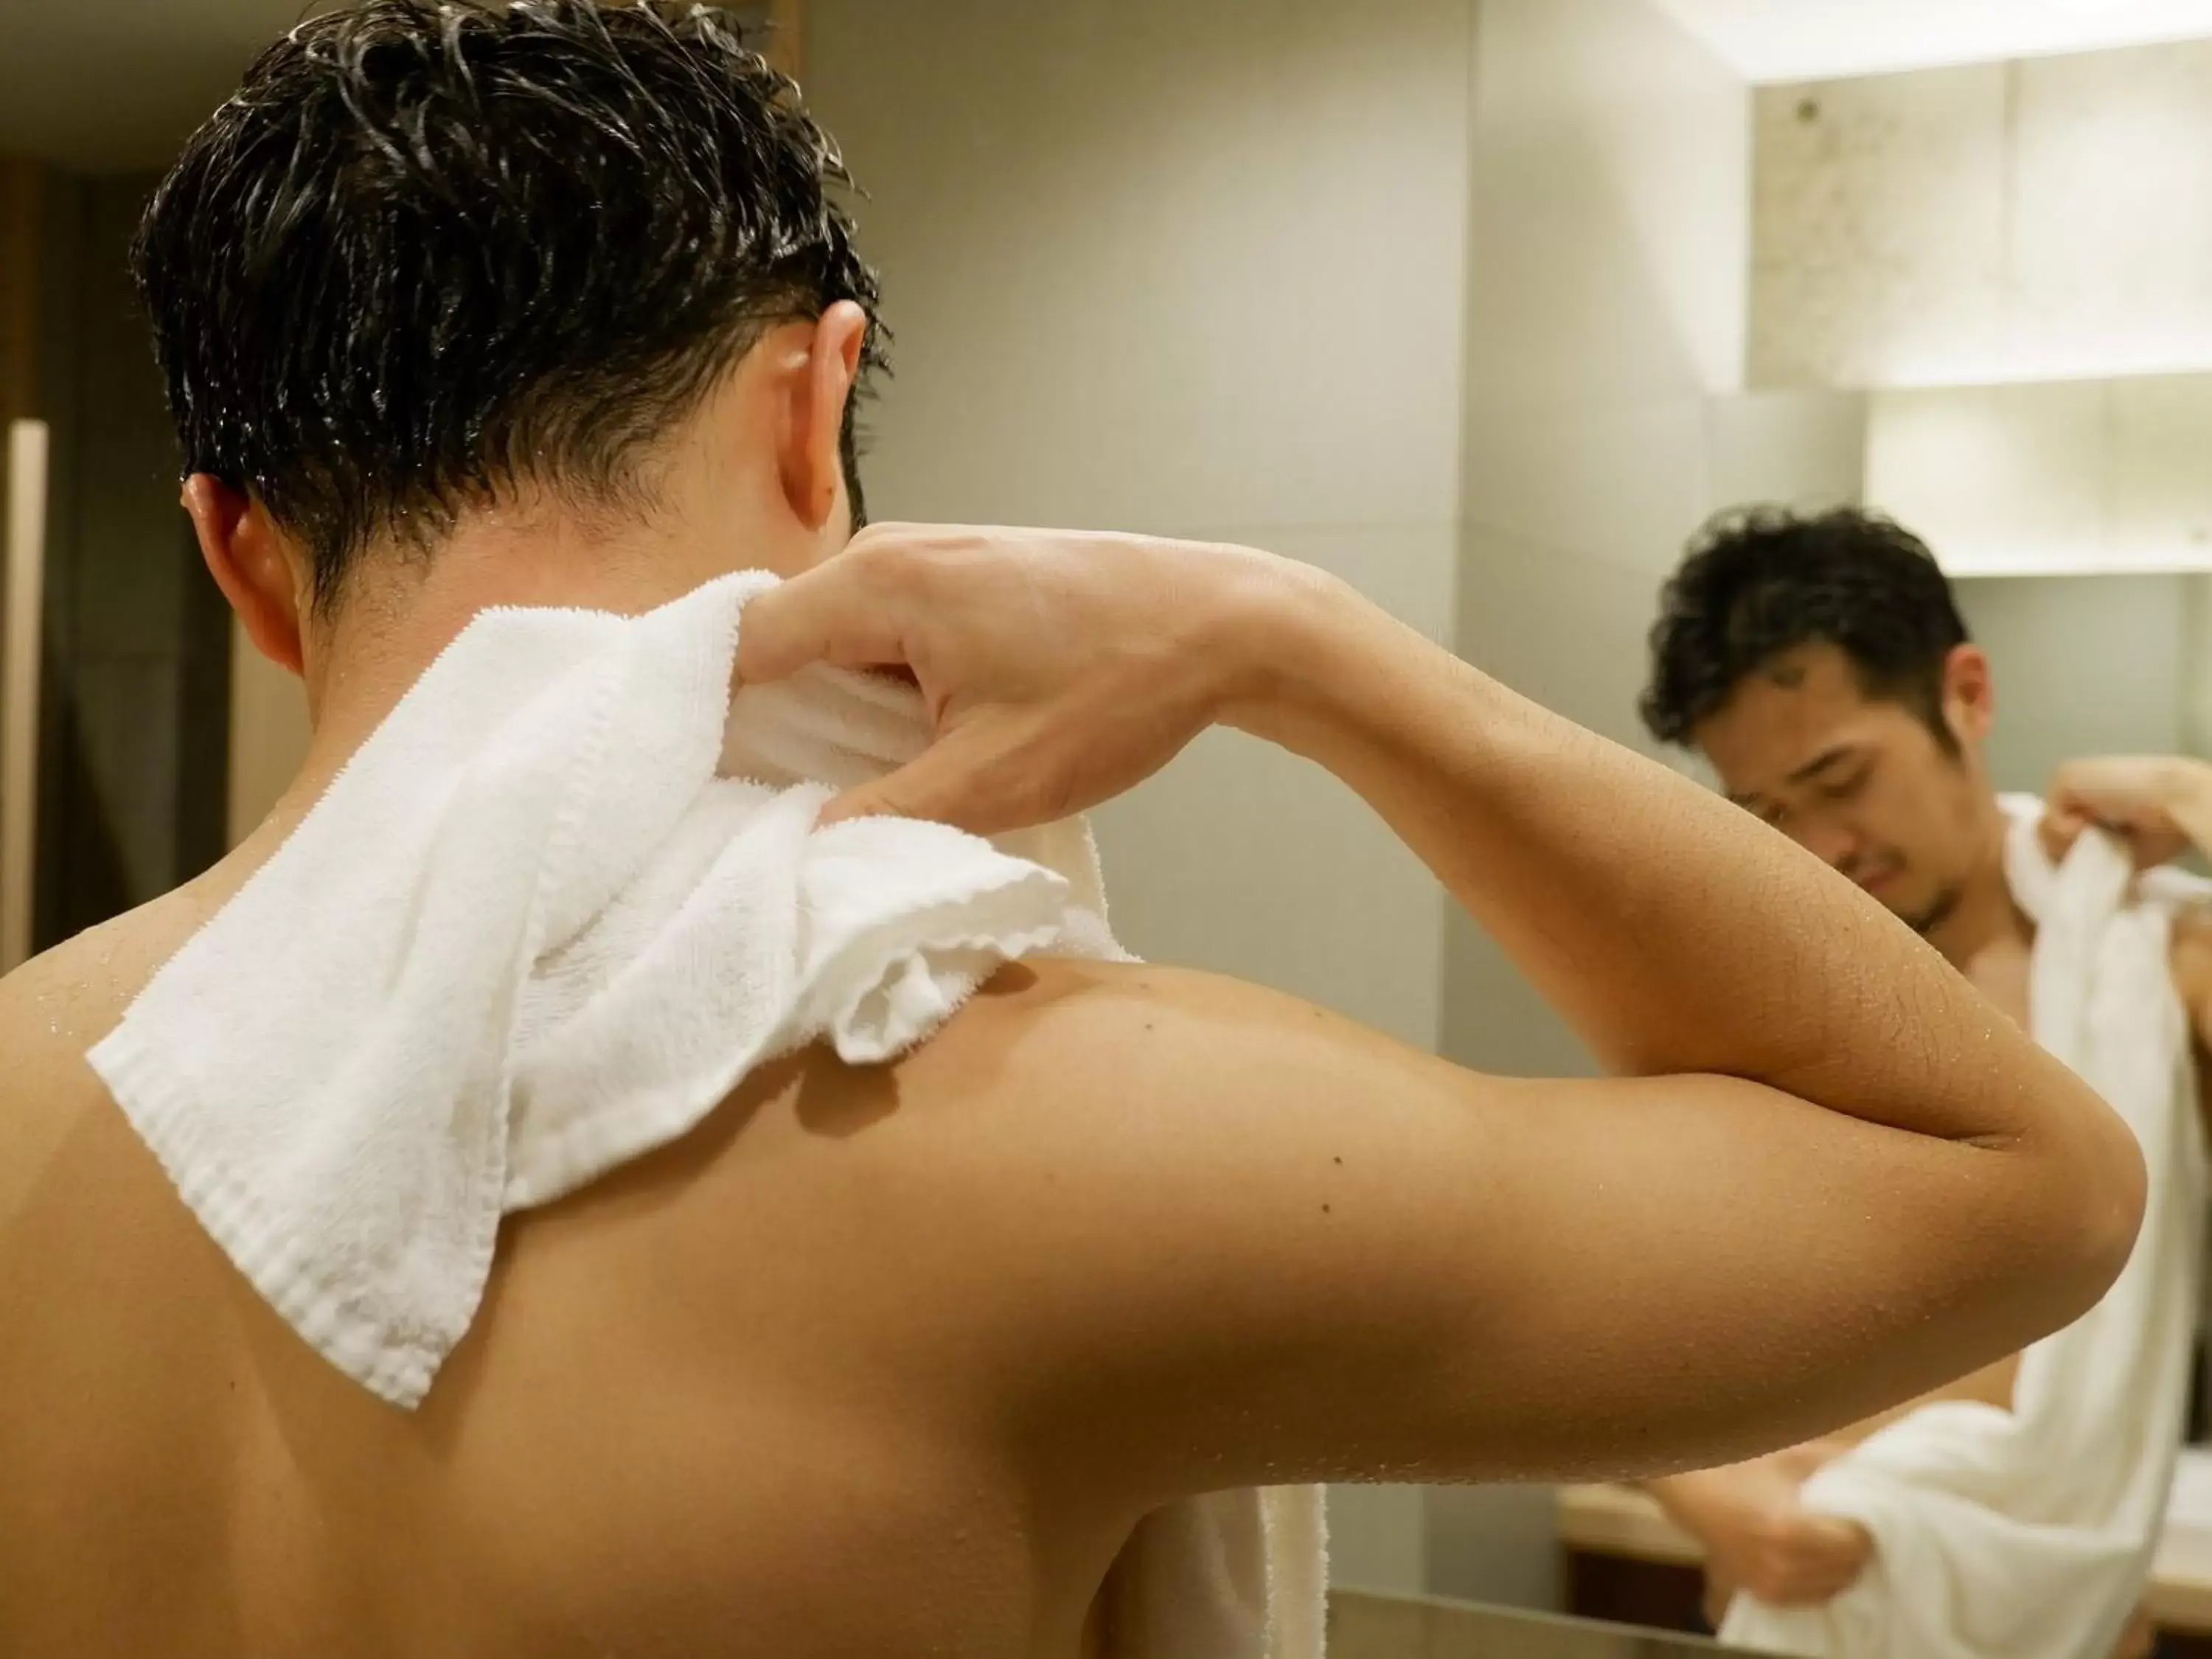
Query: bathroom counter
pixel 1369 1626
pixel 1618 1521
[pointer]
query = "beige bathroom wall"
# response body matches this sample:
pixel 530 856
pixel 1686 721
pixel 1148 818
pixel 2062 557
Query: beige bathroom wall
pixel 2194 727
pixel 1607 269
pixel 1879 253
pixel 2049 477
pixel 1605 314
pixel 2084 665
pixel 1199 269
pixel 2038 220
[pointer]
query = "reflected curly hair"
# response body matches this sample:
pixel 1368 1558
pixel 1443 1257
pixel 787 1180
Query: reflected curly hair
pixel 1760 581
pixel 434 251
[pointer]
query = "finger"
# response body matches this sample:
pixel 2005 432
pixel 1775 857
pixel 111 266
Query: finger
pixel 947 783
pixel 1776 1589
pixel 1825 1577
pixel 1845 1548
pixel 894 797
pixel 2061 828
pixel 828 615
pixel 2148 845
pixel 2163 848
pixel 1835 1535
pixel 1826 1587
pixel 1804 1587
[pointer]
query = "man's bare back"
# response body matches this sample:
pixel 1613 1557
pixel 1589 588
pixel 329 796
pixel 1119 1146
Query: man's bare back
pixel 697 1412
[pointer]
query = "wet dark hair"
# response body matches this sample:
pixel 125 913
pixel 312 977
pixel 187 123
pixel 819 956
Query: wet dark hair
pixel 432 252
pixel 1757 582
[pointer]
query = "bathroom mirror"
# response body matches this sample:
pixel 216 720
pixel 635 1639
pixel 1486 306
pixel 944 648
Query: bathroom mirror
pixel 2097 665
pixel 1481 305
pixel 1970 288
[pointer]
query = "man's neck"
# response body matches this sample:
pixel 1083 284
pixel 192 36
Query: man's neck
pixel 1984 913
pixel 403 609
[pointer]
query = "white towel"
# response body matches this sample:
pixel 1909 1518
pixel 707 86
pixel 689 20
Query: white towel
pixel 565 898
pixel 2029 1533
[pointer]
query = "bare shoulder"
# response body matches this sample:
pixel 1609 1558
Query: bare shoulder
pixel 68 998
pixel 1196 1073
pixel 1056 1011
pixel 57 1007
pixel 988 1195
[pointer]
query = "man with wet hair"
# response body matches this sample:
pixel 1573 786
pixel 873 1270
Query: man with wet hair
pixel 1819 663
pixel 552 304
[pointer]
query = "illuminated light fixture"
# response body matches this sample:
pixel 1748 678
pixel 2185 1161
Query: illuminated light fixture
pixel 2059 479
pixel 1786 41
pixel 23 574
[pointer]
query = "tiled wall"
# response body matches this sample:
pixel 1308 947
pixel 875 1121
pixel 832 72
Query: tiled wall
pixel 2036 220
pixel 1609 244
pixel 1945 236
pixel 1197 270
pixel 2084 665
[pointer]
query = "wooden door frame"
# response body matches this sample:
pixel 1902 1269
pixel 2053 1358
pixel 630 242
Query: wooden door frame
pixel 786 46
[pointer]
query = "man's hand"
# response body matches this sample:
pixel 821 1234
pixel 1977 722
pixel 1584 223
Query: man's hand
pixel 1060 668
pixel 1759 1538
pixel 2161 805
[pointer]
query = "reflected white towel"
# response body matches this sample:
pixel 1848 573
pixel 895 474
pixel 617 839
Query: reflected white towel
pixel 562 901
pixel 2029 1533
pixel 1234 1575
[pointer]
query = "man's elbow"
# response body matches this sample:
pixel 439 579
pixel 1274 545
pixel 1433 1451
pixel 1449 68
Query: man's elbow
pixel 2097 1193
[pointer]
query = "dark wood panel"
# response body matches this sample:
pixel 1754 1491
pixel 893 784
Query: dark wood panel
pixel 134 755
pixel 1629 1592
pixel 22 185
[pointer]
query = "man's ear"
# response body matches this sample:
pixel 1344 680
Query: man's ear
pixel 250 561
pixel 813 462
pixel 1970 701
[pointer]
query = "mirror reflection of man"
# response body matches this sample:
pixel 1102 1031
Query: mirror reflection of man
pixel 1820 664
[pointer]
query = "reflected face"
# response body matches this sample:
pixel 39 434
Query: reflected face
pixel 1861 783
